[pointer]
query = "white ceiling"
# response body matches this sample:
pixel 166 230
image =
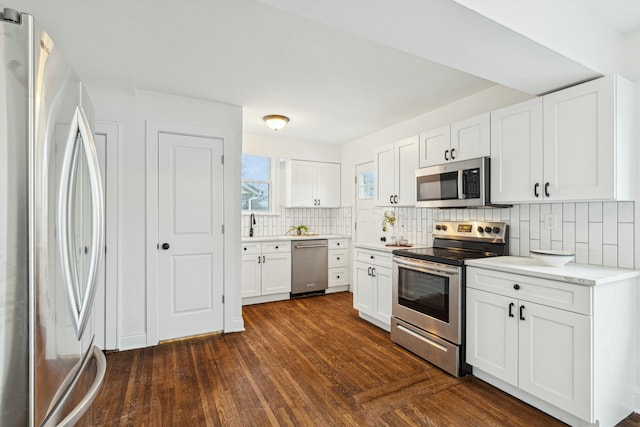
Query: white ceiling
pixel 335 85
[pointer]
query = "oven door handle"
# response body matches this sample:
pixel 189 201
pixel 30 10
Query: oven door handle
pixel 438 269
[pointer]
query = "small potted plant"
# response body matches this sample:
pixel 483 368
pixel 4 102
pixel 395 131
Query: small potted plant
pixel 299 229
pixel 388 224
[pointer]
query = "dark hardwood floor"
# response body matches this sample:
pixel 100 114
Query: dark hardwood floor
pixel 302 362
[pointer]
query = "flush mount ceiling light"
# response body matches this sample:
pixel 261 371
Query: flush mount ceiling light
pixel 276 121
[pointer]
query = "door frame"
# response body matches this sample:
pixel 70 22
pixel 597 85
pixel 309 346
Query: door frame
pixel 232 307
pixel 112 132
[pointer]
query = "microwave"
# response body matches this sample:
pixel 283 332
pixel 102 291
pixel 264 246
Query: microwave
pixel 460 184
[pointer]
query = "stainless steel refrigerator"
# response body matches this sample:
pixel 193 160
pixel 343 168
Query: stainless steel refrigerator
pixel 51 232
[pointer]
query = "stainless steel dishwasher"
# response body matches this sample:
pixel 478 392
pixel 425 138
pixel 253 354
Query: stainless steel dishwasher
pixel 309 267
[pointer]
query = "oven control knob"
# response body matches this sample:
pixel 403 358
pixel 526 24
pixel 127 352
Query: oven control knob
pixel 444 228
pixel 438 227
pixel 480 229
pixel 487 229
pixel 496 229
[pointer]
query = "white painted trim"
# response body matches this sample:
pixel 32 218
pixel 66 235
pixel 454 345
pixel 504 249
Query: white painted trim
pixel 232 315
pixel 376 322
pixel 131 341
pixel 112 132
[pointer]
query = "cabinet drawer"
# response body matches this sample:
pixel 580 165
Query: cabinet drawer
pixel 250 248
pixel 338 258
pixel 374 257
pixel 562 295
pixel 338 243
pixel 338 276
pixel 276 246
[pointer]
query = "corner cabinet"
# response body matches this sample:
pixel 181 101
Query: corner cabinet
pixel 395 166
pixel 570 145
pixel 462 140
pixel 266 271
pixel 312 184
pixel 372 286
pixel 541 338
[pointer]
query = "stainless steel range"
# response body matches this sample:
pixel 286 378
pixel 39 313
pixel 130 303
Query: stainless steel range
pixel 429 290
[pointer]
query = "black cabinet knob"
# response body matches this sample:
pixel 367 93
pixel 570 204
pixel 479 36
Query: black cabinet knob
pixel 276 247
pixel 338 258
pixel 338 277
pixel 165 246
pixel 516 286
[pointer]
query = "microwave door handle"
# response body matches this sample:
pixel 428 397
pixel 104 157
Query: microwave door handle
pixel 461 185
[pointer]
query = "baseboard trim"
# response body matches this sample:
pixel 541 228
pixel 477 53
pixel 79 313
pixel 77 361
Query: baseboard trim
pixel 131 341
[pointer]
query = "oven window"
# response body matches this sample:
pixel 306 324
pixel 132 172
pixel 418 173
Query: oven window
pixel 424 292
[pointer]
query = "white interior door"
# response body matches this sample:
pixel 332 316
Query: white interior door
pixel 190 261
pixel 368 216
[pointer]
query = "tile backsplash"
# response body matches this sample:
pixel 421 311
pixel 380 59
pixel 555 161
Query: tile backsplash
pixel 319 220
pixel 600 233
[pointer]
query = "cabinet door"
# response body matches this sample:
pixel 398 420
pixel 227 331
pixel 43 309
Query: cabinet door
pixel 250 276
pixel 470 138
pixel 555 357
pixel 300 186
pixel 492 334
pixel 435 146
pixel 406 163
pixel 276 273
pixel 328 185
pixel 385 179
pixel 363 288
pixel 382 280
pixel 579 143
pixel 516 153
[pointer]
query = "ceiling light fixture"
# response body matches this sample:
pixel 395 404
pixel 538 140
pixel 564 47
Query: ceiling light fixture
pixel 276 121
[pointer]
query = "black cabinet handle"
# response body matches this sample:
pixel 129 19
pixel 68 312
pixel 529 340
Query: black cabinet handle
pixel 165 246
pixel 446 157
pixel 452 157
pixel 516 286
pixel 546 189
pixel 395 199
pixel 373 272
pixel 521 310
pixel 318 202
pixel 264 259
pixel 391 199
pixel 535 189
pixel 259 260
pixel 510 308
pixel 369 271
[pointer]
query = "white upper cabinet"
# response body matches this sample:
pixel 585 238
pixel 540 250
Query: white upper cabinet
pixel 470 138
pixel 463 140
pixel 312 184
pixel 395 166
pixel 570 145
pixel 434 146
pixel 516 152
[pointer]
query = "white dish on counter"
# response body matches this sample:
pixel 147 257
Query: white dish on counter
pixel 552 258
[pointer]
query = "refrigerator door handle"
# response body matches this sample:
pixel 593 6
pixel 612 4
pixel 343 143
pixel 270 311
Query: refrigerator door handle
pixel 78 411
pixel 80 299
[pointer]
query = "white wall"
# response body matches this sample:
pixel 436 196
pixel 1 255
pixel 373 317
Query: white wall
pixel 280 146
pixel 131 108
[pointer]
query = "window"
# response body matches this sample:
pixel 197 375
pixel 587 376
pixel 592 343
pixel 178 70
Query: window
pixel 256 183
pixel 366 189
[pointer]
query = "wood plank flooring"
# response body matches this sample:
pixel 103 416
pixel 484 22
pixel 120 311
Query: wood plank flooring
pixel 303 362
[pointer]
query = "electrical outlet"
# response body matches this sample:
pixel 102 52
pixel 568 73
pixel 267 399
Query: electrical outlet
pixel 551 222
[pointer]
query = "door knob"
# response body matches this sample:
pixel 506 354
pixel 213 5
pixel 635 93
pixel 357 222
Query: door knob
pixel 165 246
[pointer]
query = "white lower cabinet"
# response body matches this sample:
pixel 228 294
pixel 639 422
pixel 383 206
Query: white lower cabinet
pixel 372 286
pixel 266 271
pixel 538 339
pixel 338 265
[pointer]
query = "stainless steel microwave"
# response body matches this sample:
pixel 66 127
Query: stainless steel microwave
pixel 454 185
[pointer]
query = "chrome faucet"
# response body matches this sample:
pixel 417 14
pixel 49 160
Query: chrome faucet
pixel 252 222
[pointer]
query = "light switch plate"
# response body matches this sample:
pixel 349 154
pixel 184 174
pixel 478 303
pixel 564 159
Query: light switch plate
pixel 551 222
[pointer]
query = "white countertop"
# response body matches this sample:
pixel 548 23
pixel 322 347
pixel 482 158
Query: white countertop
pixel 583 274
pixel 272 238
pixel 383 247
